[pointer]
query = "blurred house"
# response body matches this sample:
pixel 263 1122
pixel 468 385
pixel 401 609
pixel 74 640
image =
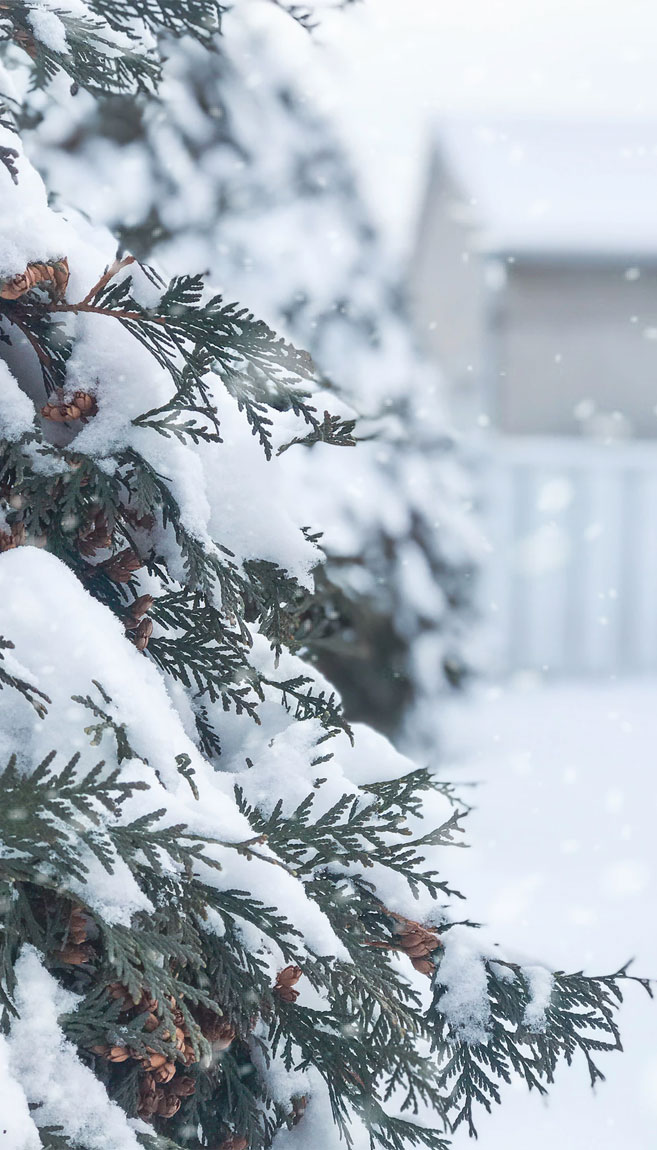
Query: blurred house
pixel 535 282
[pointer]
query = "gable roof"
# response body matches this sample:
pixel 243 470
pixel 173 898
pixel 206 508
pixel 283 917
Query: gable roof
pixel 547 187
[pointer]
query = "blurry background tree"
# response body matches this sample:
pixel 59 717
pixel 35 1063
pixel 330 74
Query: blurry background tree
pixel 235 171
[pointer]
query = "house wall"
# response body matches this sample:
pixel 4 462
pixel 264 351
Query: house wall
pixel 572 337
pixel 447 288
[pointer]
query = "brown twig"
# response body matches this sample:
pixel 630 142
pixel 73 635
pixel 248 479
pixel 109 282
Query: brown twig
pixel 113 270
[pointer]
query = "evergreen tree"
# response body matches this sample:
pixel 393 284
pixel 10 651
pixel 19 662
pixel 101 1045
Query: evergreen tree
pixel 227 173
pixel 221 915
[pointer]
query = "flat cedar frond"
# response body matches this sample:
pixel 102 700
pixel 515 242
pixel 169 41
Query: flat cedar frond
pixel 90 59
pixel 198 18
pixel 104 52
pixel 579 1020
pixel 187 335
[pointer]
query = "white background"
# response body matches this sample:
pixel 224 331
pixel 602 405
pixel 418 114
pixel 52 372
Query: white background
pixel 399 63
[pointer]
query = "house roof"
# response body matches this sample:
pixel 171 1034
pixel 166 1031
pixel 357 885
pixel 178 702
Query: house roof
pixel 548 187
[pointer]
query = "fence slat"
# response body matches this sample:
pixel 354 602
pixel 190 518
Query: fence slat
pixel 573 566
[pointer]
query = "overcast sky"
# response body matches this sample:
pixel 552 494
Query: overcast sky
pixel 400 63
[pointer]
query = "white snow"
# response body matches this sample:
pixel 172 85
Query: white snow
pixel 65 638
pixel 562 866
pixel 48 28
pixel 66 1092
pixel 237 475
pixel 16 412
pixel 464 1002
pixel 45 19
pixel 540 982
pixel 17 1128
pixel 28 230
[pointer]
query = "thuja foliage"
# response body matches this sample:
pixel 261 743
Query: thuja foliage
pixel 103 51
pixel 256 166
pixel 184 1000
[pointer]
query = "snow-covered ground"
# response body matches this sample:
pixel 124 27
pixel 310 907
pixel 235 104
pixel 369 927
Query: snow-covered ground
pixel 562 863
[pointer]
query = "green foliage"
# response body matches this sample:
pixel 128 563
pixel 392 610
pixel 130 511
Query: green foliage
pixel 47 822
pixel 187 337
pixel 91 59
pixel 52 1138
pixel 354 832
pixel 579 1019
pixel 198 18
pixel 105 52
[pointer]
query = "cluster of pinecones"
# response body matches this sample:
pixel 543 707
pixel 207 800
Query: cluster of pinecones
pixel 136 622
pixel 96 535
pixel 82 406
pixel 417 941
pixel 285 980
pixel 164 1083
pixel 121 567
pixel 77 949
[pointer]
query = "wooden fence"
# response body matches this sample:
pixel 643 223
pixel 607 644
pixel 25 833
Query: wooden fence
pixel 571 582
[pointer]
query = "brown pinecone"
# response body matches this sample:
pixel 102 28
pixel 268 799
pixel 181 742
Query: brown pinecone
pixel 182 1085
pixel 86 404
pixel 23 38
pixel 285 980
pixel 152 1060
pixel 216 1028
pixel 188 1053
pixel 120 993
pixel 164 1073
pixel 112 1053
pixel 57 412
pixel 53 276
pixel 122 566
pixel 138 609
pixel 75 955
pixel 149 1097
pixel 78 926
pixel 178 1018
pixel 95 536
pixel 143 633
pixel 15 537
pixel 234 1142
pixel 299 1106
pixel 144 522
pixel 418 943
pixel 81 406
pixel 168 1105
pixel 147 1002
